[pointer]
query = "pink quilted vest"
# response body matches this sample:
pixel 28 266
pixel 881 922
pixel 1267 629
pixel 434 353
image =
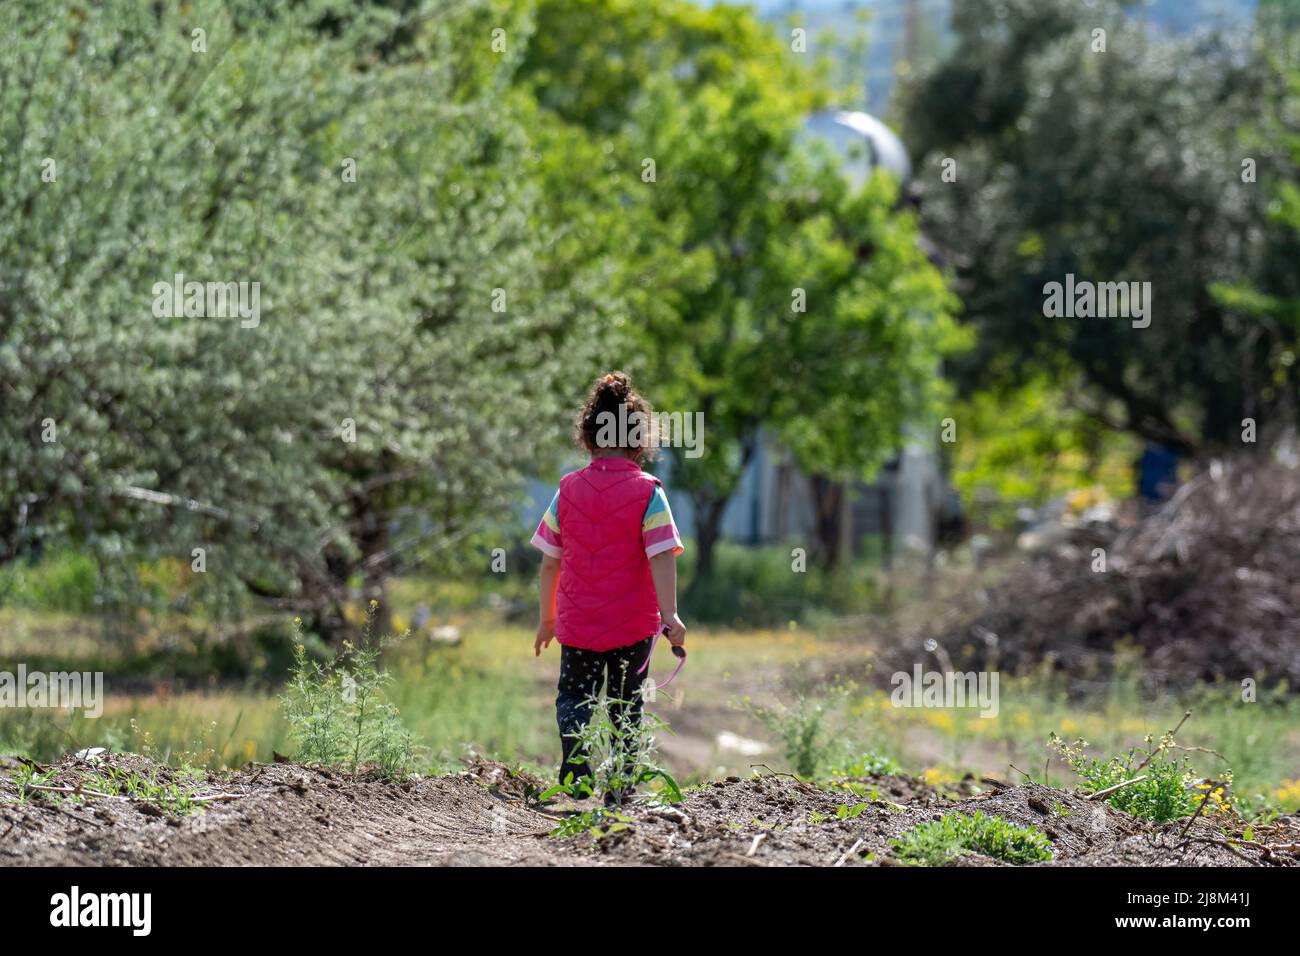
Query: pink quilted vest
pixel 607 596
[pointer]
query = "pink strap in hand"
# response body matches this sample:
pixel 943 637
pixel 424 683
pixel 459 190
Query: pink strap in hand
pixel 677 649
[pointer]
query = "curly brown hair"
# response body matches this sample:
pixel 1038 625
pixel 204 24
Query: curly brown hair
pixel 606 396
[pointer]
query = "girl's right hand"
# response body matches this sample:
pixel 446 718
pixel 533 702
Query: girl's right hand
pixel 545 634
pixel 676 632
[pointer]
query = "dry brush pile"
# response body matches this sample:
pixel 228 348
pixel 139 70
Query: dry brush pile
pixel 1207 587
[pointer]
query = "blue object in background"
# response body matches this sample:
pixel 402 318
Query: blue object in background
pixel 1157 473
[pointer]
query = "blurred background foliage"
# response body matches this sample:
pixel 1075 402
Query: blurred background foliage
pixel 545 189
pixel 1124 163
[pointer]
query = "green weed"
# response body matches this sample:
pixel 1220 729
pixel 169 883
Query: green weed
pixel 844 811
pixel 1157 784
pixel 92 785
pixel 618 755
pixel 801 728
pixel 870 764
pixel 938 841
pixel 339 713
pixel 599 823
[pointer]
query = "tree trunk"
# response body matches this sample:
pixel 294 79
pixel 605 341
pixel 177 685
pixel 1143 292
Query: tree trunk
pixel 828 496
pixel 373 541
pixel 708 529
pixel 710 504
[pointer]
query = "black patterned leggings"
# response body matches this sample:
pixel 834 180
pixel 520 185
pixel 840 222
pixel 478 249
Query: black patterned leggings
pixel 582 673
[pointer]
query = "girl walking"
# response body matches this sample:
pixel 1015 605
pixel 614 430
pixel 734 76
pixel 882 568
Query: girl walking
pixel 609 569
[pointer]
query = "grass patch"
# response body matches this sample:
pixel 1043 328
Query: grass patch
pixel 870 764
pixel 178 796
pixel 490 695
pixel 480 696
pixel 938 841
pixel 1259 740
pixel 754 587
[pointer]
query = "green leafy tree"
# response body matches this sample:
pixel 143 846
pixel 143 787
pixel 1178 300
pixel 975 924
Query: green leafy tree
pixel 1031 444
pixel 410 333
pixel 732 216
pixel 1268 292
pixel 1122 165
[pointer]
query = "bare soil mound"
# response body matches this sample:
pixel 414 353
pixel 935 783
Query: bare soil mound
pixel 294 815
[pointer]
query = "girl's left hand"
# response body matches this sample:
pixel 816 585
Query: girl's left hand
pixel 675 630
pixel 545 634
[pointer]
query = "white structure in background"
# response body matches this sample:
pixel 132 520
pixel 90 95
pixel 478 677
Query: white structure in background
pixel 864 143
pixel 910 498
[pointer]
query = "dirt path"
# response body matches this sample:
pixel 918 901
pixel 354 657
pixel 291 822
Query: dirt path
pixel 293 815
